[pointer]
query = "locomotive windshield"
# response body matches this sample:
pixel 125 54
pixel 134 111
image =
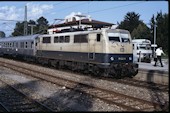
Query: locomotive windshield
pixel 119 37
pixel 124 37
pixel 114 37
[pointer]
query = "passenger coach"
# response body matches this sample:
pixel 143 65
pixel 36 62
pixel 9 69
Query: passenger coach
pixel 21 46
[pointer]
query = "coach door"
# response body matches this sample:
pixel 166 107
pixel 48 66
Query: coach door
pixel 91 45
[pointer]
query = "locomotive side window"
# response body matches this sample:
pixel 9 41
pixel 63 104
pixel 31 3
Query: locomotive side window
pixel 80 38
pixel 56 39
pixel 46 40
pixel 98 37
pixel 61 40
pixel 67 39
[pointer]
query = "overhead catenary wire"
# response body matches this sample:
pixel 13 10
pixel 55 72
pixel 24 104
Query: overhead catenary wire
pixel 82 3
pixel 116 7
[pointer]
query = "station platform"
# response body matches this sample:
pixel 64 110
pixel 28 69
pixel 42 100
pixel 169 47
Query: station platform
pixel 150 66
pixel 148 72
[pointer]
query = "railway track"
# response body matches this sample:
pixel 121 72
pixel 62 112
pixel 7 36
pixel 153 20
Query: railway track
pixel 127 102
pixel 12 100
pixel 138 83
pixel 127 81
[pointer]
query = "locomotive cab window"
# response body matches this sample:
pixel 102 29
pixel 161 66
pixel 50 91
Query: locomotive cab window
pixel 114 39
pixel 125 37
pixel 46 40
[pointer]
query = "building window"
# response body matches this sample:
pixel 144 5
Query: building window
pixel 46 40
pixel 80 38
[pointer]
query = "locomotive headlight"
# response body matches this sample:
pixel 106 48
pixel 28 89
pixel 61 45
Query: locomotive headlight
pixel 130 58
pixel 111 58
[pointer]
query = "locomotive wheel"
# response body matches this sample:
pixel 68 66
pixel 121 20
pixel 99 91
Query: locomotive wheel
pixel 105 72
pixel 96 71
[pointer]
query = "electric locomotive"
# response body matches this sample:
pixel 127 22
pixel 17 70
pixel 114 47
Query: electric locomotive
pixel 104 51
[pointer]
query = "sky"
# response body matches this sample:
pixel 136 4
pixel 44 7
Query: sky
pixel 107 11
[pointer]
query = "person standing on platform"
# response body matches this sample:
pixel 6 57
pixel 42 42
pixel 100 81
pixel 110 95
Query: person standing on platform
pixel 159 53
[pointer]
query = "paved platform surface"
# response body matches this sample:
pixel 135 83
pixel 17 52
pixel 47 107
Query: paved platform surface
pixel 149 66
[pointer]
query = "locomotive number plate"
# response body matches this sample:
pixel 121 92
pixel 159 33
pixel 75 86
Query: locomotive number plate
pixel 122 58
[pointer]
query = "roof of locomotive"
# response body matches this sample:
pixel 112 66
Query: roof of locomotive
pixel 19 38
pixel 88 31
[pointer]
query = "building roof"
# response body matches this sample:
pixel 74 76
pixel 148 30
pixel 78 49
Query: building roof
pixel 94 23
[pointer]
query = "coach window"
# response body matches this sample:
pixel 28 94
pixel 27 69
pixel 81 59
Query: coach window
pixel 26 45
pixel 98 37
pixel 16 44
pixel 67 39
pixel 56 39
pixel 22 44
pixel 32 43
pixel 46 40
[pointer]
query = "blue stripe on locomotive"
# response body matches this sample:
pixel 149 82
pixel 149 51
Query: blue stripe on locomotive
pixel 87 57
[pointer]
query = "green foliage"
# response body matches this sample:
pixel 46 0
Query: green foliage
pixel 18 30
pixel 161 30
pixel 42 25
pixel 138 29
pixel 130 22
pixel 40 28
pixel 141 32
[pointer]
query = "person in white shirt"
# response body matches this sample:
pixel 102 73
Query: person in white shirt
pixel 159 52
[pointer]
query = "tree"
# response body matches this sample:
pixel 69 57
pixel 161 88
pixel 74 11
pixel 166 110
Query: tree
pixel 141 32
pixel 31 22
pixel 19 29
pixel 40 28
pixel 161 21
pixel 130 22
pixel 42 25
pixel 2 34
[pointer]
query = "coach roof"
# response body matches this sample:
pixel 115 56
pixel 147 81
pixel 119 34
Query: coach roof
pixel 19 38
